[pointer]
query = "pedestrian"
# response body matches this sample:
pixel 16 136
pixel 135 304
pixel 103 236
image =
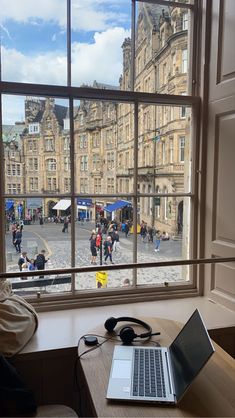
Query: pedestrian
pixel 23 259
pixel 13 231
pixel 31 265
pixel 41 220
pixel 18 239
pixel 158 241
pixel 40 261
pixel 21 226
pixel 98 239
pixel 143 230
pixel 66 225
pixel 165 236
pixel 115 240
pixel 93 248
pixel 108 248
pixel 150 234
pixel 126 282
pixel 126 230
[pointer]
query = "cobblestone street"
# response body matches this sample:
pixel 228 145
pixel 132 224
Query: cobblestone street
pixel 57 245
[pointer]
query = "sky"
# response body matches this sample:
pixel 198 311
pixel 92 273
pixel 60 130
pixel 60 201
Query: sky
pixel 33 40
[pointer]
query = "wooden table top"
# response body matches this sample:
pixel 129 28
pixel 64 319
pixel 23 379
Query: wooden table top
pixel 211 394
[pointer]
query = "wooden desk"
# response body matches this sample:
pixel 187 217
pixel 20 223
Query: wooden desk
pixel 211 394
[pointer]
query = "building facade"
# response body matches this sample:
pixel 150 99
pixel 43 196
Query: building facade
pixel 104 133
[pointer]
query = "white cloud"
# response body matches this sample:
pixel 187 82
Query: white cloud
pixel 101 61
pixel 86 14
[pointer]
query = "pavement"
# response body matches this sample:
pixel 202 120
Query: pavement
pixel 57 245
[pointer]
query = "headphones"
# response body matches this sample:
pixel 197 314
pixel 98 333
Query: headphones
pixel 127 334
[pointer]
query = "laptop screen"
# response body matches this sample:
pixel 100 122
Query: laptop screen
pixel 189 352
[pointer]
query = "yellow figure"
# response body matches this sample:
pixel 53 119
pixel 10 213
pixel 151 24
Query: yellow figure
pixel 101 278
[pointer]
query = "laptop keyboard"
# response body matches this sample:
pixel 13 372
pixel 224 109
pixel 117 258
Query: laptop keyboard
pixel 148 378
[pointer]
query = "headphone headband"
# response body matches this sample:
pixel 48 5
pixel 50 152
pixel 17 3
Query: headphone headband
pixel 127 334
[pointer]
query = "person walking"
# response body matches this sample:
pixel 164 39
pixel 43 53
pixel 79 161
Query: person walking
pixel 40 261
pixel 93 248
pixel 66 225
pixel 108 248
pixel 115 240
pixel 126 229
pixel 157 241
pixel 13 231
pixel 18 239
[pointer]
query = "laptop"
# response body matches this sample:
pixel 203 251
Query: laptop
pixel 160 374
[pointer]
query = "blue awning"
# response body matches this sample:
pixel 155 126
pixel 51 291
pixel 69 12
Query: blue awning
pixel 117 205
pixel 9 204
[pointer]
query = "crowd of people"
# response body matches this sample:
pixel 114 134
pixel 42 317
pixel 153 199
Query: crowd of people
pixel 107 235
pixel 37 263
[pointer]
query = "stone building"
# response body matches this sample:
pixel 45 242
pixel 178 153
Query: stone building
pixel 104 131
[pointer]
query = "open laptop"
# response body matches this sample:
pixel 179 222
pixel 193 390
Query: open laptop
pixel 160 374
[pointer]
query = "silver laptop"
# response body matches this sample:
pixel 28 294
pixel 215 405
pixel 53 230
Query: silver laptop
pixel 160 374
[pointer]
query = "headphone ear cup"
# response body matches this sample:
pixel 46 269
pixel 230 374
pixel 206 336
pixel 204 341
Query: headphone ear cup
pixel 110 324
pixel 127 335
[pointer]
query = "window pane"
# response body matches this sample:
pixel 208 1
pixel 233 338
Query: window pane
pixel 165 236
pixel 103 231
pixel 41 228
pixel 34 35
pixel 100 43
pixel 162 40
pixel 102 280
pixel 36 145
pixel 164 151
pixel 103 138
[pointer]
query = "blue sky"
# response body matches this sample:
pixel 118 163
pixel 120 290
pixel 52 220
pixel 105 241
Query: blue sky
pixel 33 37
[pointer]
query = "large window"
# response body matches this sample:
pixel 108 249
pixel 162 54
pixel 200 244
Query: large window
pixel 110 149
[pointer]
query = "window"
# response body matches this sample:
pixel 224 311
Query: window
pixel 33 164
pixel 171 150
pixel 52 184
pixel 181 148
pixel 33 184
pixel 66 163
pixel 34 128
pixel 184 61
pixel 32 145
pixel 97 185
pixel 84 163
pixel 51 164
pixel 83 185
pixel 185 21
pixel 66 143
pixel 112 143
pixel 49 144
pixel 110 185
pixel 66 184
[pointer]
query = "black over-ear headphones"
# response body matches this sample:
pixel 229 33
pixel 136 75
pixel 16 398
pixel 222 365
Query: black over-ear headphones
pixel 127 334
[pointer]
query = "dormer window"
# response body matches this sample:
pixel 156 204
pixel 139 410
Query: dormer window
pixel 34 128
pixel 66 124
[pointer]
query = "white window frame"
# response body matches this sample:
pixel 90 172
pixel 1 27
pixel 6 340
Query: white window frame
pixel 136 98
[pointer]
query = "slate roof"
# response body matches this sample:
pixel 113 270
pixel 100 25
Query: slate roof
pixel 12 132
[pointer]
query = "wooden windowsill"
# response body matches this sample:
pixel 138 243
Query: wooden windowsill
pixel 62 329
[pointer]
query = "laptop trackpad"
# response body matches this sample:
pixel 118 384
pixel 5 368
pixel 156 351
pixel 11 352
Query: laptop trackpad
pixel 121 369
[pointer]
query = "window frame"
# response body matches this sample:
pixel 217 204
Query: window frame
pixel 136 98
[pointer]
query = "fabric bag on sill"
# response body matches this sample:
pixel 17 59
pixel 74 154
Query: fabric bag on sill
pixel 18 321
